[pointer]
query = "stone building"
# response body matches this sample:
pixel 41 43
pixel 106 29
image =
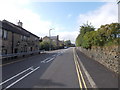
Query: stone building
pixel 15 39
pixel 54 41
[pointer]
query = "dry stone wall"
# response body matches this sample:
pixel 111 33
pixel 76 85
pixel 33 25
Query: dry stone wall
pixel 108 56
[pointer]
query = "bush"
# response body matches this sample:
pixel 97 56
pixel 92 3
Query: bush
pixel 108 34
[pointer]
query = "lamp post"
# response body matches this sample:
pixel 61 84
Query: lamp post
pixel 50 39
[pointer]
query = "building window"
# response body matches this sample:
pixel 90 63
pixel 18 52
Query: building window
pixel 4 51
pixel 36 39
pixel 4 34
pixel 22 37
pixel 25 38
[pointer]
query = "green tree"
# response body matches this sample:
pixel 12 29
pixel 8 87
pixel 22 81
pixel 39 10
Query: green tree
pixel 79 40
pixel 44 45
pixel 67 43
pixel 89 39
pixel 85 28
pixel 108 34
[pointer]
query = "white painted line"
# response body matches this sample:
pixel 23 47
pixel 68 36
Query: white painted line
pixel 92 83
pixel 50 60
pixel 15 75
pixel 21 78
pixel 45 60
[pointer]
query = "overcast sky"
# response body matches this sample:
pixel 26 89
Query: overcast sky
pixel 39 16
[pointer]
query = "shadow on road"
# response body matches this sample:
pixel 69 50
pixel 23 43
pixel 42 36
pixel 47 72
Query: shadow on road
pixel 47 83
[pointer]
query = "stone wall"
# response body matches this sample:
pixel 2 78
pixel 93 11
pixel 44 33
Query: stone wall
pixel 108 56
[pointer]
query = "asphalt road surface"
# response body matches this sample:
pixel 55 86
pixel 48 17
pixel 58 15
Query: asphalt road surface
pixel 65 68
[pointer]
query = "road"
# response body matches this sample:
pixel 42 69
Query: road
pixel 65 68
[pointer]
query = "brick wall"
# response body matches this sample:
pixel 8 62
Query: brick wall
pixel 108 56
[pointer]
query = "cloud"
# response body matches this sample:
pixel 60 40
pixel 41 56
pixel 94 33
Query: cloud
pixel 14 10
pixel 106 14
pixel 66 35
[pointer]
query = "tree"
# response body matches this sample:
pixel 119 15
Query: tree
pixel 108 34
pixel 67 43
pixel 44 45
pixel 85 28
pixel 89 39
pixel 79 40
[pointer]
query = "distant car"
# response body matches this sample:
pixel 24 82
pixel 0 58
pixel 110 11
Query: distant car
pixel 65 47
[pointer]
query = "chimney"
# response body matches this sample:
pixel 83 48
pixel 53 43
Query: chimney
pixel 20 23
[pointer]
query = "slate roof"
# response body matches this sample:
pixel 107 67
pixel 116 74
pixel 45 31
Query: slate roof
pixel 52 37
pixel 16 29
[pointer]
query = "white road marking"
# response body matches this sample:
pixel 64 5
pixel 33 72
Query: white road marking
pixel 45 60
pixel 15 75
pixel 50 60
pixel 92 83
pixel 21 78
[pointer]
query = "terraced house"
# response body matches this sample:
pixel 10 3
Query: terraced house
pixel 15 39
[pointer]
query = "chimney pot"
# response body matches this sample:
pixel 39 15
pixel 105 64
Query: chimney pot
pixel 20 23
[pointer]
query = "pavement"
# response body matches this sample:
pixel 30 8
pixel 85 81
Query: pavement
pixel 65 68
pixel 103 77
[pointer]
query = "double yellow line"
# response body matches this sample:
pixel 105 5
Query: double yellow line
pixel 81 80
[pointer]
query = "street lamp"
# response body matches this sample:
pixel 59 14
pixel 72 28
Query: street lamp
pixel 50 39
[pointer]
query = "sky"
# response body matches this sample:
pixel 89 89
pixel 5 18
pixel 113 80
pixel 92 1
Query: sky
pixel 64 16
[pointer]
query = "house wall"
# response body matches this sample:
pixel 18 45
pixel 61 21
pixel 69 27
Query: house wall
pixel 16 44
pixel 46 39
pixel 34 43
pixel 7 43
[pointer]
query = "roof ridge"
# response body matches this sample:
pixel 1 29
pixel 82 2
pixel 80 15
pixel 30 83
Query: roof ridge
pixel 18 27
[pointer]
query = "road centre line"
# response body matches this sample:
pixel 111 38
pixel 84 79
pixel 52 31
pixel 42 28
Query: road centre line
pixel 21 78
pixel 16 75
pixel 92 83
